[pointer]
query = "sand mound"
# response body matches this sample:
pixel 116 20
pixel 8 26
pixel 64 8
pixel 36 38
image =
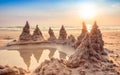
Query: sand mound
pixel 53 67
pixel 8 70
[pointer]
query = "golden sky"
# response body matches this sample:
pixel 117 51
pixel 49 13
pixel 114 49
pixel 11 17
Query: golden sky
pixel 58 12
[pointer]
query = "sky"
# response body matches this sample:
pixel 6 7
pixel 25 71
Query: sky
pixel 58 12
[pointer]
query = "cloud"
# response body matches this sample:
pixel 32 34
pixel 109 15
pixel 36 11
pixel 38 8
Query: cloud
pixel 116 5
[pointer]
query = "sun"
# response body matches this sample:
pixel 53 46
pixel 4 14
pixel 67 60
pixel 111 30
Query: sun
pixel 87 11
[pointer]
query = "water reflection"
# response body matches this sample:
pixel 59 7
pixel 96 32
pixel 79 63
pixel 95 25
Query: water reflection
pixel 30 56
pixel 26 53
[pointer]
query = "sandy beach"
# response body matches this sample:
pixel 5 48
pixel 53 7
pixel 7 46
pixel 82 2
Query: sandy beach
pixel 59 37
pixel 111 40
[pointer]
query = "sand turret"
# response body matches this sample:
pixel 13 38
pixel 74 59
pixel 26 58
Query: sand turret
pixel 81 36
pixel 52 35
pixel 62 34
pixel 84 55
pixel 25 35
pixel 37 34
pixel 71 40
pixel 96 39
pixel 90 48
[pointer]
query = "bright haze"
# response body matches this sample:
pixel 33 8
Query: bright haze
pixel 58 12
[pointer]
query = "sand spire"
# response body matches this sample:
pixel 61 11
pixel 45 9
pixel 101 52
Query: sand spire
pixel 52 35
pixel 96 39
pixel 90 49
pixel 81 36
pixel 84 55
pixel 62 34
pixel 25 35
pixel 71 40
pixel 37 34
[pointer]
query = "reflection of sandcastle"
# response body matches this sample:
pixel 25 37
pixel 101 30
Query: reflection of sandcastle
pixel 37 52
pixel 89 58
pixel 26 57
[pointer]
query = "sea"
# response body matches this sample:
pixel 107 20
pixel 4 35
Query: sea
pixel 57 27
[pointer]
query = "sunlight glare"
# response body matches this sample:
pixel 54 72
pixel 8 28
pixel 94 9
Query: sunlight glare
pixel 88 11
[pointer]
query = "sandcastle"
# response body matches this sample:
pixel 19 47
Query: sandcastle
pixel 95 35
pixel 90 50
pixel 37 37
pixel 89 58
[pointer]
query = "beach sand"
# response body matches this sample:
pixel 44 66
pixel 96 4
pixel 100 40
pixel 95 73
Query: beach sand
pixel 111 40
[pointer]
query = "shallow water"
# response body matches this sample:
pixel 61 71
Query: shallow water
pixel 30 56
